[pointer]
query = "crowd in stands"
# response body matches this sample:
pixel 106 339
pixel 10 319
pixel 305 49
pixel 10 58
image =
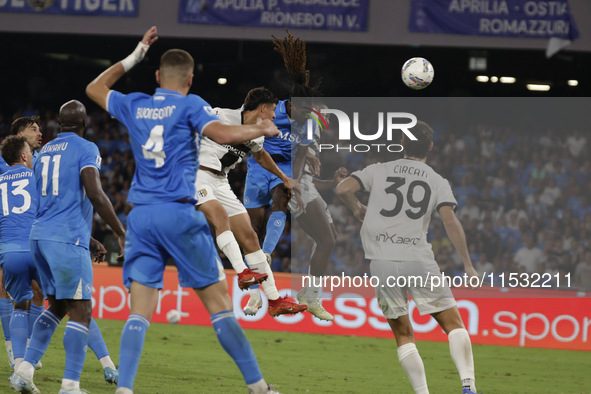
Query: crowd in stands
pixel 523 199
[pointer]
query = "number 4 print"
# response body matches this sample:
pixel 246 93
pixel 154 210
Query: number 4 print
pixel 153 148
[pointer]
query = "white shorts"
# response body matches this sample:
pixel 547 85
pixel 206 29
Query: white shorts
pixel 309 194
pixel 215 187
pixel 415 279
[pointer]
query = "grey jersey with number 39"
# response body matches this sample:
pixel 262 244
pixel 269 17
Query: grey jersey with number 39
pixel 403 195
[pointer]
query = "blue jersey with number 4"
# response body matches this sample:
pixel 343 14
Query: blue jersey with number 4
pixel 165 131
pixel 65 212
pixel 19 205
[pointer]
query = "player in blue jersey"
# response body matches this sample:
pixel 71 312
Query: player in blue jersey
pixel 29 128
pixel 19 206
pixel 68 186
pixel 165 131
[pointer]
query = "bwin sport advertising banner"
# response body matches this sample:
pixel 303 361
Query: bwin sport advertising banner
pixel 124 8
pixel 343 15
pixel 502 18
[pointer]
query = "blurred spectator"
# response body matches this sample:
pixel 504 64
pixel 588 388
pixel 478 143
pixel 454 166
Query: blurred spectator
pixel 529 257
pixel 583 272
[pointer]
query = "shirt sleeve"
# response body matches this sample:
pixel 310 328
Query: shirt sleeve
pixel 257 144
pixel 115 104
pixel 445 196
pixel 201 114
pixel 90 157
pixel 366 176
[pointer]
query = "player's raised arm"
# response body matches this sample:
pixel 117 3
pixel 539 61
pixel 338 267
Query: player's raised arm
pixel 456 234
pixel 99 88
pixel 346 191
pixel 232 135
pixel 94 190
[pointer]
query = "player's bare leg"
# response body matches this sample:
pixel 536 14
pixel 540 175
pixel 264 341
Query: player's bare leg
pixel 460 346
pixel 247 238
pixel 218 304
pixel 217 216
pixel 408 355
pixel 315 223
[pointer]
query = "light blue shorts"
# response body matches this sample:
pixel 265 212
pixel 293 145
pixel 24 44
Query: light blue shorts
pixel 260 182
pixel 177 230
pixel 65 269
pixel 19 270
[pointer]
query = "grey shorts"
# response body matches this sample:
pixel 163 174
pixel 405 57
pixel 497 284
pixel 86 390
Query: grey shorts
pixel 415 279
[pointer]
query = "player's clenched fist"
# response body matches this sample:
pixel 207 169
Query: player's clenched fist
pixel 268 128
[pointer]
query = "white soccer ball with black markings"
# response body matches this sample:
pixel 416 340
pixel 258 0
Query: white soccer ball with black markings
pixel 173 316
pixel 417 73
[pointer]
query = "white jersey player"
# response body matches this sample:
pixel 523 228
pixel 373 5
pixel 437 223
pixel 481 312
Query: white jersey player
pixel 403 194
pixel 224 210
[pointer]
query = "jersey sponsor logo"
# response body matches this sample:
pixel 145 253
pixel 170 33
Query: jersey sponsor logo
pixel 345 125
pixel 289 137
pixel 397 240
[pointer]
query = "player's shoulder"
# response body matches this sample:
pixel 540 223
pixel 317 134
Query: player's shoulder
pixel 228 115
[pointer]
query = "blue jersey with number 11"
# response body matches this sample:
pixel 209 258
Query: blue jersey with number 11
pixel 165 131
pixel 65 212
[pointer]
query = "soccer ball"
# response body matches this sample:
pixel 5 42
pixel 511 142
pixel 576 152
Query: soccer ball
pixel 417 73
pixel 173 316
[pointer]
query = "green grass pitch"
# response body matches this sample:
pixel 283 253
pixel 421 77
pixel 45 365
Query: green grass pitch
pixel 188 359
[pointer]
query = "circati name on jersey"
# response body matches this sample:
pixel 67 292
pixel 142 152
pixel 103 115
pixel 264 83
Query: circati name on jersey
pixel 154 113
pixel 410 170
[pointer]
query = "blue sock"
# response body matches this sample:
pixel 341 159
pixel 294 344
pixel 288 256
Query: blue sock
pixel 43 330
pixel 6 309
pixel 75 340
pixel 275 227
pixel 235 343
pixel 130 350
pixel 19 329
pixel 34 313
pixel 96 343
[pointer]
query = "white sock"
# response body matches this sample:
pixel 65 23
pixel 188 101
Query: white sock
pixel 17 362
pixel 227 243
pixel 107 362
pixel 460 349
pixel 70 385
pixel 411 361
pixel 258 261
pixel 26 370
pixel 259 387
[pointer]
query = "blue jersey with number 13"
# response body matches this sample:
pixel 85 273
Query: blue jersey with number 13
pixel 165 131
